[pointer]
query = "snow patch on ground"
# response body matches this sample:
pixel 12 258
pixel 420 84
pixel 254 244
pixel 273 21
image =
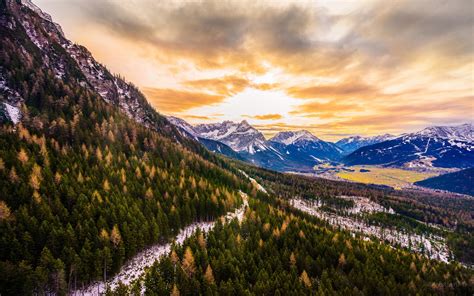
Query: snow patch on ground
pixel 432 246
pixel 254 182
pixel 13 112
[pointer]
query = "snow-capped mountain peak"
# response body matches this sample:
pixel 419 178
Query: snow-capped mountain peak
pixel 180 123
pixel 240 136
pixel 463 132
pixel 353 143
pixel 292 137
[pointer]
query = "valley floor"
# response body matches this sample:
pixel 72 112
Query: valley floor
pixel 398 178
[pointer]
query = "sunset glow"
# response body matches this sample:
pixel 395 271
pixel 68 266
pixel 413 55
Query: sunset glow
pixel 335 68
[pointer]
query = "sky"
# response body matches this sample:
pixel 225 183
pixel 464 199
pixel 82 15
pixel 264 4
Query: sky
pixel 335 68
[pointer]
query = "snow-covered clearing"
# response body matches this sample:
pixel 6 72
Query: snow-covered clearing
pixel 136 267
pixel 431 245
pixel 13 113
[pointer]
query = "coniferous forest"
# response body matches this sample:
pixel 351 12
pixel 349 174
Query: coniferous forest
pixel 84 188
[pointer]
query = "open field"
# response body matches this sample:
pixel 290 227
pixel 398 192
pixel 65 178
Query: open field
pixel 394 177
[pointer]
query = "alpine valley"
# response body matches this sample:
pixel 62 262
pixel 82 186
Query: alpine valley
pixel 100 194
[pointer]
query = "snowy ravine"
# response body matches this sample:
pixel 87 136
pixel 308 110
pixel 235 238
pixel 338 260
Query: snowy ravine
pixel 254 182
pixel 430 245
pixel 136 267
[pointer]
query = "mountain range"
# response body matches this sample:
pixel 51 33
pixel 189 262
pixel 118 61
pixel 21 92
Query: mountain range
pixel 438 146
pixel 295 151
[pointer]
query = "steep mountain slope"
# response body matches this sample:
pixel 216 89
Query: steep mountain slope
pixel 90 174
pixel 448 147
pixel 460 182
pixel 351 144
pixel 72 62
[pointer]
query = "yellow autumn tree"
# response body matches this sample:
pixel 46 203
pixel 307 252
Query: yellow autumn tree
pixel 188 262
pixel 35 177
pixel 104 235
pixel 175 291
pixel 57 178
pixel 4 211
pixel 174 257
pixel 13 176
pixel 201 241
pixel 22 156
pixel 342 259
pixel 98 154
pixel 304 278
pixel 149 193
pixel 209 276
pixel 106 185
pixel 293 259
pixel 115 236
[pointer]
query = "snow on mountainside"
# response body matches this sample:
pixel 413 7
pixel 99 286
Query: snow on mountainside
pixel 10 102
pixel 241 137
pixel 463 132
pixel 180 123
pixel 290 137
pixel 353 143
pixel 449 147
pixel 305 146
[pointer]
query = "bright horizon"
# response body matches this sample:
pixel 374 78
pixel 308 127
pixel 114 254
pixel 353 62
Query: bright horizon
pixel 335 68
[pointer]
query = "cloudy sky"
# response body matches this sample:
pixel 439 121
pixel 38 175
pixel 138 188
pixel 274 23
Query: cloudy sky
pixel 335 68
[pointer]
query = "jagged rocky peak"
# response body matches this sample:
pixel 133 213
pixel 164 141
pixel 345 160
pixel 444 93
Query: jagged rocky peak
pixel 292 137
pixel 72 62
pixel 182 124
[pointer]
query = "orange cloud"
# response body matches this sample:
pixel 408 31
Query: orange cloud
pixel 345 89
pixel 325 110
pixel 226 86
pixel 199 117
pixel 171 100
pixel 265 116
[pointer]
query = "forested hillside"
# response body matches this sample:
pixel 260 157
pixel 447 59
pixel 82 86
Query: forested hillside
pixel 83 187
pixel 460 182
pixel 274 252
pixel 90 175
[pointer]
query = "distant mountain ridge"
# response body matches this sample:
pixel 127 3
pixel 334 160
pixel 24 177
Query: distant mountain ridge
pixel 439 146
pixel 351 144
pixel 298 151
